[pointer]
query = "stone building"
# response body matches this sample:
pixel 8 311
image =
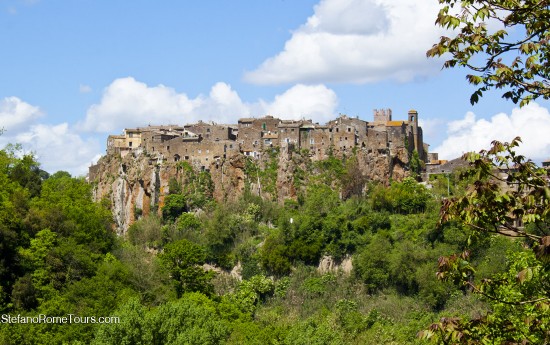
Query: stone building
pixel 255 133
pixel 203 144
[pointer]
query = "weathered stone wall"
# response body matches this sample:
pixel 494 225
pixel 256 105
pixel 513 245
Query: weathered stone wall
pixel 211 131
pixel 289 133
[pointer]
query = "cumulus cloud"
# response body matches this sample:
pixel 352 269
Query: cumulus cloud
pixel 431 128
pixel 16 114
pixel 127 102
pixel 59 147
pixel 531 123
pixel 302 101
pixel 357 41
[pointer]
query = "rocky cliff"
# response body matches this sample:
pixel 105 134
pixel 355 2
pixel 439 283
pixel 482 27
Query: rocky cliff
pixel 137 183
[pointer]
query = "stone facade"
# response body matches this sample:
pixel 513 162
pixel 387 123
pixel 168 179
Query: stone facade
pixel 203 144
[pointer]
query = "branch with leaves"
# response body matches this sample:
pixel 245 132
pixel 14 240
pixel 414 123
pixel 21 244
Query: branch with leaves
pixel 510 197
pixel 519 64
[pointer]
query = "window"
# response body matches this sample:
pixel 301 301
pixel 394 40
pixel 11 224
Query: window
pixel 208 130
pixel 264 126
pixel 349 129
pixel 130 144
pixel 311 141
pixel 168 148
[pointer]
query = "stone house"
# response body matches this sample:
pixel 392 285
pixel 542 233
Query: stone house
pixel 203 144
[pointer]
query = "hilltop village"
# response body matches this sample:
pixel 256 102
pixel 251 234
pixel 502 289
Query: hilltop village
pixel 202 143
pixel 139 165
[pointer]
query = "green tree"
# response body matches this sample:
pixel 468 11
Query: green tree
pixel 513 58
pixel 509 192
pixel 274 254
pixel 134 327
pixel 415 165
pixel 174 205
pixel 372 264
pixel 183 259
pixel 192 319
pixel 252 291
pixel 65 206
pixel 146 232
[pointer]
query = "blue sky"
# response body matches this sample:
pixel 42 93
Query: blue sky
pixel 73 72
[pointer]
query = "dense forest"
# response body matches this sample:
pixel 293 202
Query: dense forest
pixel 169 279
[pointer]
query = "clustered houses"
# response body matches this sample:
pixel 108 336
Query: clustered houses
pixel 203 143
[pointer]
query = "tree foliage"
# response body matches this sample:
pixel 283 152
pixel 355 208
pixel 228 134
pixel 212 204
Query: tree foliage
pixel 59 256
pixel 510 198
pixel 513 57
pixel 183 259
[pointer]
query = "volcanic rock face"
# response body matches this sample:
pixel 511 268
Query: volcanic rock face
pixel 229 178
pixel 138 183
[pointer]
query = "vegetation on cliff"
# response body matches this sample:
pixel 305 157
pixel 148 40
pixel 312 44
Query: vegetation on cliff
pixel 169 281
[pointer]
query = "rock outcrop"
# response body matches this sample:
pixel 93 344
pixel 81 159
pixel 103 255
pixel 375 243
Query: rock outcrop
pixel 137 183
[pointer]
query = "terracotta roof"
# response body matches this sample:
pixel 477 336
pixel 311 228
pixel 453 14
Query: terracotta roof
pixel 395 123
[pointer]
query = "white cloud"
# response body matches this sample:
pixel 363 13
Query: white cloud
pixel 431 127
pixel 83 88
pixel 357 41
pixel 128 103
pixel 531 123
pixel 16 114
pixel 301 101
pixel 58 147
